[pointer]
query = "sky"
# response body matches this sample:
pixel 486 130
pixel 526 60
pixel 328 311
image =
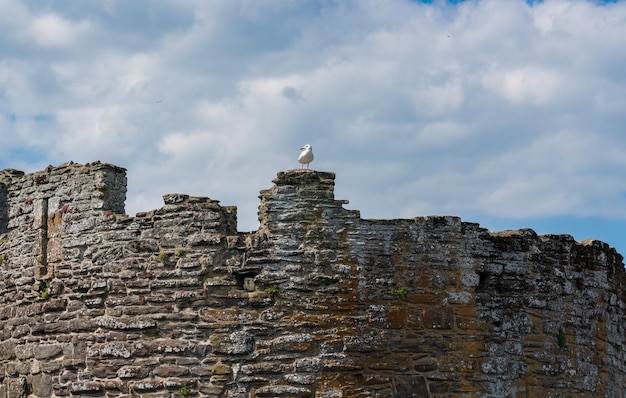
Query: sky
pixel 507 113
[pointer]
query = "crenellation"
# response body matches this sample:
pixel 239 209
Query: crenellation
pixel 316 303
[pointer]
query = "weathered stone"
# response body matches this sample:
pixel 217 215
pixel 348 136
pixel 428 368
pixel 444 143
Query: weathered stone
pixel 312 365
pixel 7 350
pixel 41 384
pixel 238 343
pixel 292 343
pixel 136 372
pixel 263 368
pixel 317 302
pixel 124 324
pixel 144 386
pixel 426 364
pixel 222 369
pixel 283 391
pixel 168 370
pixel 47 351
pixel 304 379
pixel 86 387
pixel 115 350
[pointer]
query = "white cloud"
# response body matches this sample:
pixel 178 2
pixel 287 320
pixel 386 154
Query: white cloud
pixel 52 30
pixel 90 132
pixel 526 85
pixel 483 108
pixel 555 174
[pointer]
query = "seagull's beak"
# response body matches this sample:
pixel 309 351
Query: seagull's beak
pixel 302 149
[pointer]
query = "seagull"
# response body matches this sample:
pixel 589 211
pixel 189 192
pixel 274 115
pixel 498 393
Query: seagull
pixel 306 156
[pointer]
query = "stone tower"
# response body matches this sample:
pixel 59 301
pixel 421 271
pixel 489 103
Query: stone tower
pixel 317 302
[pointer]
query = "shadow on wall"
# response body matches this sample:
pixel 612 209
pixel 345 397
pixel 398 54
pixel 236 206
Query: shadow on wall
pixel 6 177
pixel 4 209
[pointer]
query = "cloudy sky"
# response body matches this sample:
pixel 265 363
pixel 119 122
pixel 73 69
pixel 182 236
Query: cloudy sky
pixel 509 113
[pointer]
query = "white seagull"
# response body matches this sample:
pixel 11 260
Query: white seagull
pixel 306 156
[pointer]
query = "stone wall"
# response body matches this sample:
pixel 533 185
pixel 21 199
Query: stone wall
pixel 317 302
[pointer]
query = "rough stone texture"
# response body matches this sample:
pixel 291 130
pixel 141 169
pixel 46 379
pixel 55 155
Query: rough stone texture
pixel 316 303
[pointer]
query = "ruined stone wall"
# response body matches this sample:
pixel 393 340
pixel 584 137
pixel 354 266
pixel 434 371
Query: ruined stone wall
pixel 317 302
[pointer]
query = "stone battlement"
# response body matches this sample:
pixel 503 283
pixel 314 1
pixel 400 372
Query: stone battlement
pixel 317 302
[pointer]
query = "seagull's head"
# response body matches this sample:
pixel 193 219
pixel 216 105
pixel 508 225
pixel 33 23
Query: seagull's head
pixel 306 147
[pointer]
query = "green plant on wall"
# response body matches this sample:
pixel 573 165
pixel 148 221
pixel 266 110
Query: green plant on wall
pixel 272 290
pixel 45 292
pixel 400 292
pixel 184 390
pixel 163 256
pixel 180 252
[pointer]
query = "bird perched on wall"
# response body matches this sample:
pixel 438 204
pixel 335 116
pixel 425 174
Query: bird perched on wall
pixel 306 156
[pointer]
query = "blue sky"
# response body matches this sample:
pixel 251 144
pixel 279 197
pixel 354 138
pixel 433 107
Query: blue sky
pixel 506 113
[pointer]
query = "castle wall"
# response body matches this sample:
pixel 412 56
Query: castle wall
pixel 317 303
pixel 553 307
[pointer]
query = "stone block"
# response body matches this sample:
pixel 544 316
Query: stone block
pixel 145 386
pixel 292 343
pixel 85 387
pixel 133 372
pixel 263 368
pixel 115 349
pixel 41 385
pixel 170 370
pixel 426 364
pixel 126 323
pixel 47 351
pixel 311 365
pixel 7 350
pixel 260 298
pixel 237 343
pixel 222 369
pixel 365 342
pixel 301 379
pixel 283 391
